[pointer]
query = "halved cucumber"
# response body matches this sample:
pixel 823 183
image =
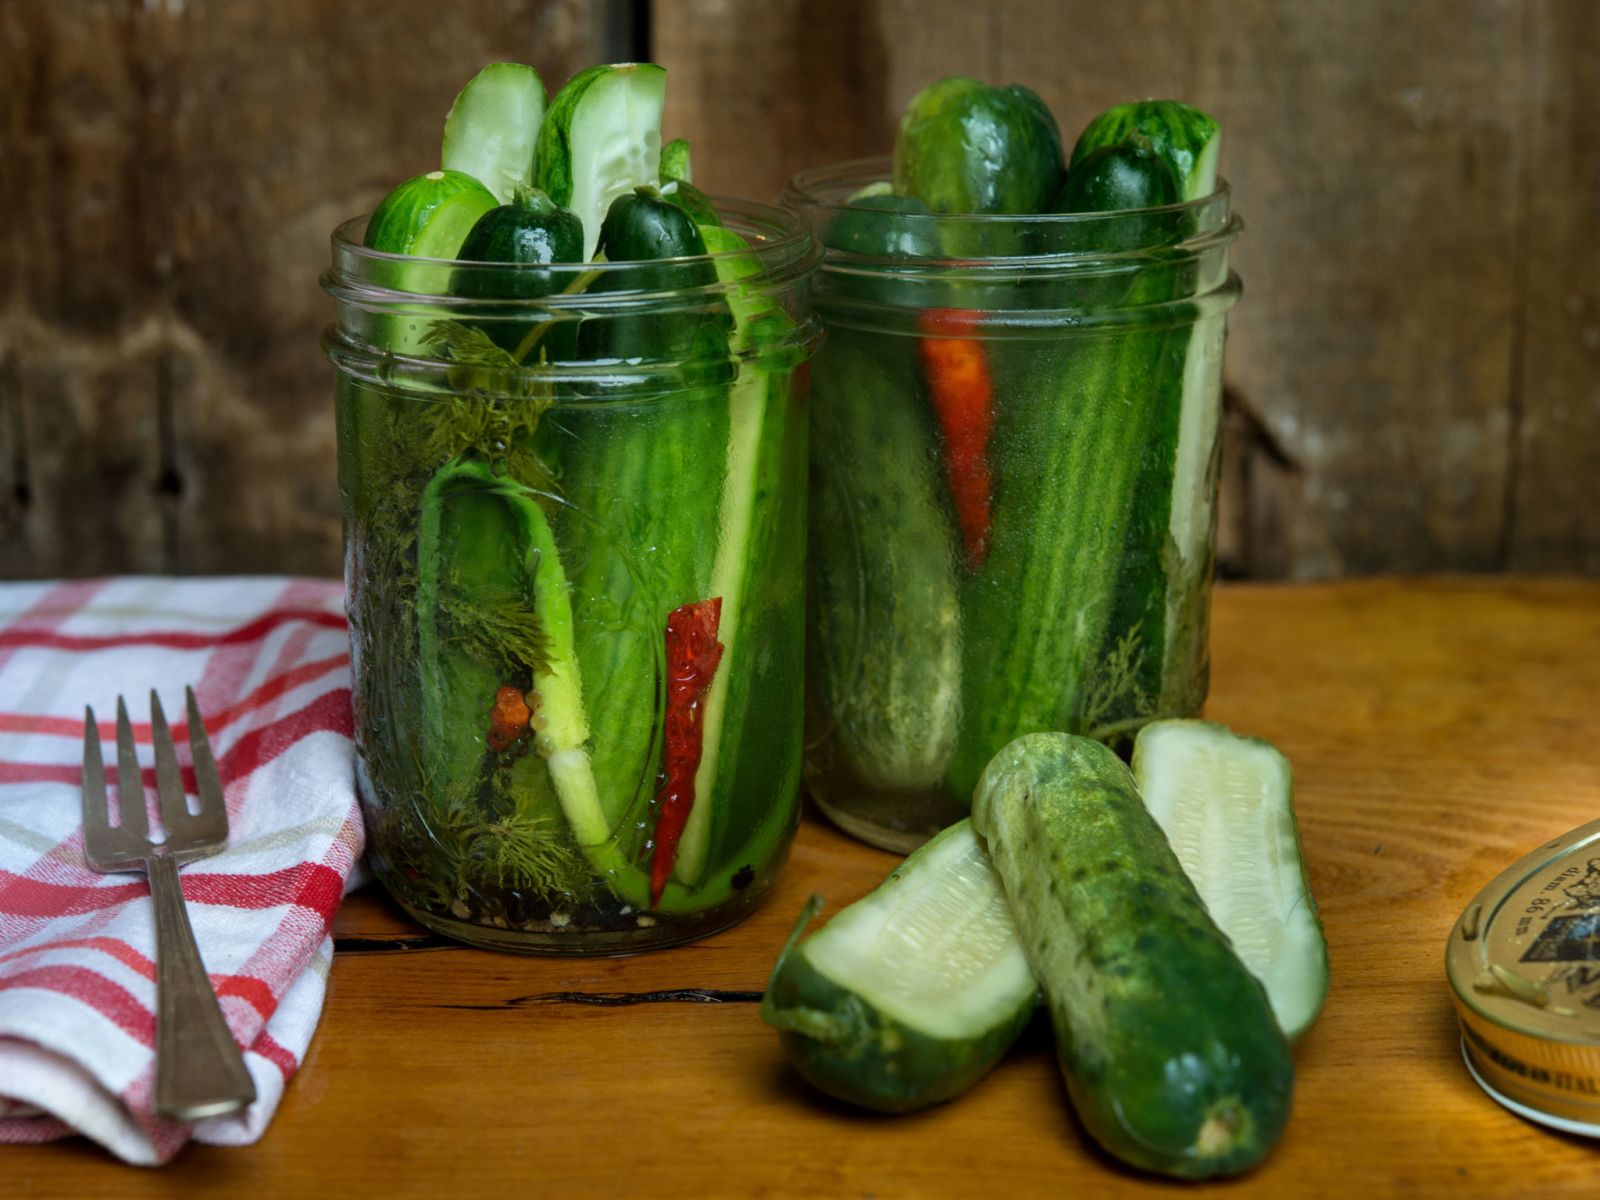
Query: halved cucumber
pixel 493 127
pixel 911 994
pixel 1226 804
pixel 601 139
pixel 428 216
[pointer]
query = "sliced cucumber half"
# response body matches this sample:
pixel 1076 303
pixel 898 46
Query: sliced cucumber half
pixel 1226 804
pixel 601 139
pixel 493 128
pixel 911 994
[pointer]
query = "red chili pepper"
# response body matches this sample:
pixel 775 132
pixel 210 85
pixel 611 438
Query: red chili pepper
pixel 508 719
pixel 959 383
pixel 693 653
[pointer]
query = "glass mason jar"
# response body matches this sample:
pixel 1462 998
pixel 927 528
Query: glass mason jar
pixel 574 544
pixel 1015 426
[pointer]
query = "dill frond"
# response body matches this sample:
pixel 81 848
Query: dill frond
pixel 493 409
pixel 525 853
pixel 1115 689
pixel 496 629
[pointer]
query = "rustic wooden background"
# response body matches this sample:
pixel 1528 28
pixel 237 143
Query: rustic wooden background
pixel 1414 371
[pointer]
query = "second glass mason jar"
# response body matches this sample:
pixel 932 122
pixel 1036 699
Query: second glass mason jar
pixel 574 537
pixel 1015 428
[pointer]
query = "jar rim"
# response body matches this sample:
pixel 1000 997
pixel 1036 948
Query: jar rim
pixel 1028 273
pixel 828 187
pixel 780 241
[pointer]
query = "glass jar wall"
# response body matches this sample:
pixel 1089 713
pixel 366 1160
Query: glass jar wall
pixel 574 530
pixel 1015 424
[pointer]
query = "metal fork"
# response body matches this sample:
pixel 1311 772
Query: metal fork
pixel 199 1070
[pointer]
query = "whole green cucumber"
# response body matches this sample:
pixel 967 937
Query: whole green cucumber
pixel 885 629
pixel 522 235
pixel 643 485
pixel 1170 1049
pixel 966 147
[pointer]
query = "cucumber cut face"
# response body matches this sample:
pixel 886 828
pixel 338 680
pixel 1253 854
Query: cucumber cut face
pixel 934 947
pixel 428 216
pixel 601 139
pixel 911 995
pixel 493 128
pixel 1225 803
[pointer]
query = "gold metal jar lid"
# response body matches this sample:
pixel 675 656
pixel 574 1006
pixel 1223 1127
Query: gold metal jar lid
pixel 1524 964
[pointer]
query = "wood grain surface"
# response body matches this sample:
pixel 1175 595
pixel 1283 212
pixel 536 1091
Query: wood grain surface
pixel 1438 731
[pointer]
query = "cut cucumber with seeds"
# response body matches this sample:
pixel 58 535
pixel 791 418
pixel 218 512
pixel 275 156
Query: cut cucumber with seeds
pixel 429 216
pixel 1226 805
pixel 911 994
pixel 601 139
pixel 493 128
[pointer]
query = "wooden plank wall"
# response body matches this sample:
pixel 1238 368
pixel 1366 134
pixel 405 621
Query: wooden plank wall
pixel 1414 371
pixel 1415 366
pixel 169 174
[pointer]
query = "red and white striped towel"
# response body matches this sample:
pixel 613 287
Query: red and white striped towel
pixel 268 659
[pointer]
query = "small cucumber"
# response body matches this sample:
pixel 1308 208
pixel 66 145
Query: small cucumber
pixel 966 147
pixel 884 648
pixel 601 139
pixel 652 235
pixel 1169 1046
pixel 428 216
pixel 493 127
pixel 1181 134
pixel 1116 177
pixel 910 995
pixel 1226 804
pixel 675 162
pixel 529 231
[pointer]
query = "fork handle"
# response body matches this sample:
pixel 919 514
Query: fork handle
pixel 199 1070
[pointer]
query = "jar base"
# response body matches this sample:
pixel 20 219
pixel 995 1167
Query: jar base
pixel 578 942
pixel 886 833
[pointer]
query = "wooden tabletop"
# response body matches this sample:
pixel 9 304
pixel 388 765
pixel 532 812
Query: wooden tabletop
pixel 1438 731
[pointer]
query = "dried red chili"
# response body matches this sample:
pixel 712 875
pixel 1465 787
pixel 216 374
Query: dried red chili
pixel 508 720
pixel 962 391
pixel 693 653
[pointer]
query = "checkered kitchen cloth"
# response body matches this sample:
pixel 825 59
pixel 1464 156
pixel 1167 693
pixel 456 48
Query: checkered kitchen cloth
pixel 268 659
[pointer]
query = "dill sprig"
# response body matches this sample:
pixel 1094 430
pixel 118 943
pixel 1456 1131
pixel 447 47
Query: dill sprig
pixel 493 409
pixel 1116 691
pixel 497 629
pixel 525 853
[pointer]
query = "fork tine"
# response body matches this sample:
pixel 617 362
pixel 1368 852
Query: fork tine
pixel 95 826
pixel 169 779
pixel 130 785
pixel 213 819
